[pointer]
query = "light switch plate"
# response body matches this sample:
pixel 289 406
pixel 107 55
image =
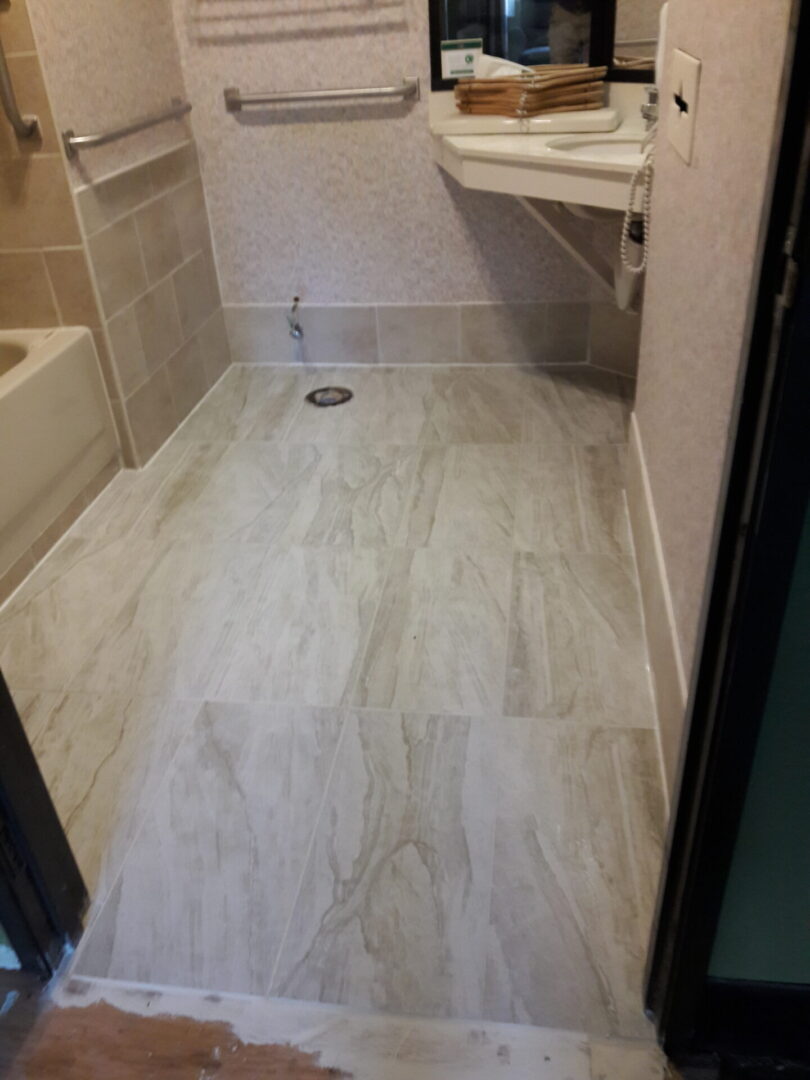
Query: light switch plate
pixel 683 102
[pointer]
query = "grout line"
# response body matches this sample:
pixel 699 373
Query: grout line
pixel 305 865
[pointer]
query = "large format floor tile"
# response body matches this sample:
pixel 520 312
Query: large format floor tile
pixel 463 496
pixel 398 883
pixel 169 635
pixel 438 642
pixel 577 848
pixel 206 892
pixel 352 704
pixel 103 758
pixel 286 493
pixel 301 637
pixel 571 498
pixel 576 641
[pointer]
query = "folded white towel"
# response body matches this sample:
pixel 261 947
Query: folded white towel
pixel 495 67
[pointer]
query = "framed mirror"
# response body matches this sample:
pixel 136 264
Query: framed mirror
pixel 536 32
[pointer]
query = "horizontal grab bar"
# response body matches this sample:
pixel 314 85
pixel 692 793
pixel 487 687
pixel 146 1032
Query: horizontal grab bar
pixel 235 100
pixel 74 142
pixel 25 128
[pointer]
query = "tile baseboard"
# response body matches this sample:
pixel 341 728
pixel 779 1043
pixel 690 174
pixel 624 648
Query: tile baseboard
pixel 546 334
pixel 666 661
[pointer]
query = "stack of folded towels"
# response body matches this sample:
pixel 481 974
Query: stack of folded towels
pixel 551 88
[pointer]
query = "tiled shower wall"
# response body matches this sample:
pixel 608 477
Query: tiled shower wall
pixel 150 250
pixel 44 279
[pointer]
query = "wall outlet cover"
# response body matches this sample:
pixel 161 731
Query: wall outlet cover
pixel 683 103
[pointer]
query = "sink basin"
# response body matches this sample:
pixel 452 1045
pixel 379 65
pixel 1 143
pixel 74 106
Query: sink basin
pixel 619 148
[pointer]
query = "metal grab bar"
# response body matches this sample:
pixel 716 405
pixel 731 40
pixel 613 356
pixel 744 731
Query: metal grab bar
pixel 74 142
pixel 235 101
pixel 25 129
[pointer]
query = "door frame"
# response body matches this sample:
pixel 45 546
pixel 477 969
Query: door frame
pixel 42 894
pixel 767 496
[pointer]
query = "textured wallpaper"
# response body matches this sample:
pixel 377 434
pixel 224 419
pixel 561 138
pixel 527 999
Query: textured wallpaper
pixel 107 62
pixel 706 234
pixel 344 205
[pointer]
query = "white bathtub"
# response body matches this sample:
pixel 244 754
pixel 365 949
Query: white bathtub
pixel 56 431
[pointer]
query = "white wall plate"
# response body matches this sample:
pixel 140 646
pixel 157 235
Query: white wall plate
pixel 683 102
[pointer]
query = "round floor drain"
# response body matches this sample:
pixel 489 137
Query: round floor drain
pixel 330 395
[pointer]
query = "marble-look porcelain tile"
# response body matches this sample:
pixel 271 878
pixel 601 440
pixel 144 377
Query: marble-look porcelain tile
pixel 208 887
pixel 249 403
pixel 438 643
pixel 288 494
pixel 621 1059
pixel 580 406
pixel 571 498
pixel 301 637
pixel 398 883
pixel 169 635
pixel 577 851
pixel 34 708
pixel 463 496
pixel 576 641
pixel 475 405
pixel 390 405
pixel 55 620
pixel 425 334
pixel 125 499
pixel 102 758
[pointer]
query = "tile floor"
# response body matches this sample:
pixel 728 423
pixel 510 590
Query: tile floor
pixel 351 705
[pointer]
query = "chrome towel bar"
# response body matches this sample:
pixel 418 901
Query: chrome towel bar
pixel 235 101
pixel 74 142
pixel 25 128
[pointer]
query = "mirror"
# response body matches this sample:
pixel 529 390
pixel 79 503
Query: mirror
pixel 636 35
pixel 535 32
pixel 530 32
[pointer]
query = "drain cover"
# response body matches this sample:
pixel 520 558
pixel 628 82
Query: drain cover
pixel 330 395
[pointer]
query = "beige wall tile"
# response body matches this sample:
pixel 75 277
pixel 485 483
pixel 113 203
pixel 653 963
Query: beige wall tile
pixel 419 334
pixel 196 300
pixel 15 29
pixel 159 238
pixel 151 415
pixel 159 327
pixel 614 339
pixel 15 575
pixel 32 98
pixel 116 256
pixel 259 335
pixel 191 216
pixel 103 203
pixel 214 347
pixel 26 298
pixel 339 335
pixel 187 378
pixel 567 333
pixel 105 362
pixel 504 333
pixel 36 208
pixel 71 284
pixel 128 355
pixel 175 167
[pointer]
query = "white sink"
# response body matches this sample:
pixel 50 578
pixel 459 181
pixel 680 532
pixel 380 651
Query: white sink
pixel 624 149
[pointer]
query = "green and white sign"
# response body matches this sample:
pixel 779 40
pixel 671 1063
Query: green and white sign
pixel 458 57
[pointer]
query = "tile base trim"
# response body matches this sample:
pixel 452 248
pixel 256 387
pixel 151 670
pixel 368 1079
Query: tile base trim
pixel 668 672
pixel 544 334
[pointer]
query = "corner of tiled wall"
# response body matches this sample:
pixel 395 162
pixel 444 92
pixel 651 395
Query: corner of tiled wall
pixel 149 244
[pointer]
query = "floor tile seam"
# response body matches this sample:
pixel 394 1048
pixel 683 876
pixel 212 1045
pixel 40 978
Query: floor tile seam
pixel 307 857
pixel 559 723
pixel 99 903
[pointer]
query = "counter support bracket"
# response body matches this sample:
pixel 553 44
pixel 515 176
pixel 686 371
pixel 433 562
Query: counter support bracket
pixel 562 225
